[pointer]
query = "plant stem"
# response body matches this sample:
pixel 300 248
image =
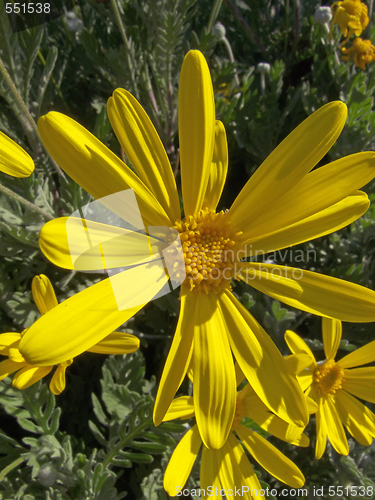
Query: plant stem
pixel 214 13
pixel 24 202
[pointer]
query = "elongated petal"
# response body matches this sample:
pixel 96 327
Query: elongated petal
pixel 236 470
pixel 288 164
pixel 209 473
pixel 182 407
pixel 13 159
pixel 196 122
pixel 317 191
pixel 361 356
pixel 9 341
pixel 312 292
pixel 363 389
pixel 321 431
pixel 305 379
pixel 331 219
pixel 214 375
pixel 178 359
pixel 93 166
pixel 85 319
pixel 240 376
pixel 270 458
pixel 116 343
pixel 334 427
pixel 353 415
pixel 219 168
pixel 182 461
pixel 331 329
pixel 143 147
pixel 298 346
pixel 43 293
pixel 8 366
pixel 29 376
pixel 262 363
pixel 298 362
pixel 255 409
pixel 57 384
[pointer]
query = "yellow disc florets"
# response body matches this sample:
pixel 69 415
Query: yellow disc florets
pixel 239 413
pixel 328 378
pixel 353 7
pixel 210 249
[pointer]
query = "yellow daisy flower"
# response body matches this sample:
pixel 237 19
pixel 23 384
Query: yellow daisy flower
pixel 362 52
pixel 228 468
pixel 27 374
pixel 351 16
pixel 284 203
pixel 335 385
pixel 13 159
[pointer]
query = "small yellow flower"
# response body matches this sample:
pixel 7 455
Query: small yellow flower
pixel 333 385
pixel 229 467
pixel 27 374
pixel 362 52
pixel 13 159
pixel 351 16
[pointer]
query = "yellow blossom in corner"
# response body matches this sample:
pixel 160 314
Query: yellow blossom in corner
pixel 362 52
pixel 27 374
pixel 13 159
pixel 335 387
pixel 351 16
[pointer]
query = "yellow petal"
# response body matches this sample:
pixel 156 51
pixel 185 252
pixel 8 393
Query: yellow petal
pixel 116 343
pixel 214 375
pixel 361 356
pixel 209 473
pixel 93 166
pixel 182 461
pixel 255 409
pixel 298 362
pixel 305 379
pixel 85 319
pixel 321 431
pixel 57 384
pixel 240 376
pixel 262 363
pixel 8 341
pixel 8 366
pixel 316 192
pixel 182 407
pixel 312 292
pixel 331 329
pixel 235 469
pixel 13 159
pixel 298 346
pixel 196 122
pixel 178 358
pixel 334 427
pixel 143 147
pixel 289 163
pixel 270 458
pixel 29 376
pixel 219 168
pixel 359 386
pixel 43 293
pixel 353 415
pixel 321 223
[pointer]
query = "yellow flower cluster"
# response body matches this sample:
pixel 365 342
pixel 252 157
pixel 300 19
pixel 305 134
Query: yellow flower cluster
pixel 352 18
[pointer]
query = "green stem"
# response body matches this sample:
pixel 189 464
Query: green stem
pixel 24 202
pixel 127 46
pixel 231 57
pixel 123 442
pixel 43 61
pixel 214 13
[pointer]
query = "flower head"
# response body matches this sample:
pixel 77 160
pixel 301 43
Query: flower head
pixel 351 16
pixel 229 466
pixel 322 15
pixel 283 203
pixel 13 159
pixel 362 52
pixel 335 385
pixel 28 374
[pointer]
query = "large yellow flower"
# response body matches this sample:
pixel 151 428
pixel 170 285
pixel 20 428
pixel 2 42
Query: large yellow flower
pixel 351 16
pixel 27 374
pixel 13 159
pixel 228 468
pixel 333 385
pixel 284 203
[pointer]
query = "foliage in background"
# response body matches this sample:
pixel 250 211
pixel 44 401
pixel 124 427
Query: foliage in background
pixel 96 440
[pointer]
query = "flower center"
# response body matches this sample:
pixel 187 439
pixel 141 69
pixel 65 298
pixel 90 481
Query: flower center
pixel 239 413
pixel 328 377
pixel 353 7
pixel 362 46
pixel 210 249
